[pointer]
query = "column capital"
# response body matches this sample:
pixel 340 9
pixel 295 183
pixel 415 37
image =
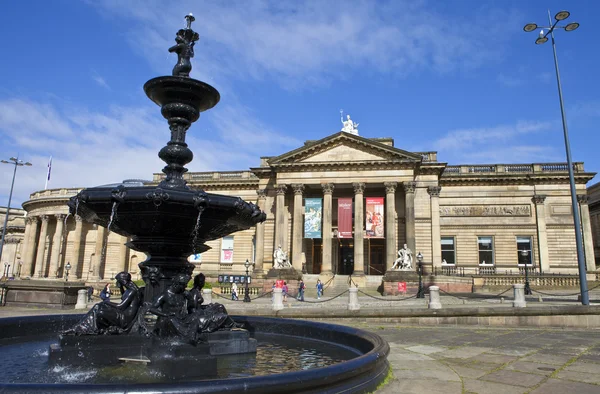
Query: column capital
pixel 261 193
pixel 409 187
pixel 281 188
pixel 45 218
pixel 359 187
pixel 31 220
pixel 327 188
pixel 390 187
pixel 60 216
pixel 298 188
pixel 582 198
pixel 538 199
pixel 434 191
pixel 78 219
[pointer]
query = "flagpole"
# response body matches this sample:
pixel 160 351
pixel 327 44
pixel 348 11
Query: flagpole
pixel 48 174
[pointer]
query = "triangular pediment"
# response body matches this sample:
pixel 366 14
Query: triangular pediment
pixel 344 148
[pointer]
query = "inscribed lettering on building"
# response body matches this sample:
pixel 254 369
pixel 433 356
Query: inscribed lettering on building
pixel 374 215
pixel 486 210
pixel 313 210
pixel 344 217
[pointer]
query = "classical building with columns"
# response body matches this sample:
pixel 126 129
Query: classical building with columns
pixel 492 217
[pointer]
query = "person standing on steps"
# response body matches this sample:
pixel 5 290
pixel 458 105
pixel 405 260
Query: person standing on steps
pixel 301 287
pixel 319 289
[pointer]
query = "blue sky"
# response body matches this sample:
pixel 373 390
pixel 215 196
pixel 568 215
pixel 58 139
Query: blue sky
pixel 458 76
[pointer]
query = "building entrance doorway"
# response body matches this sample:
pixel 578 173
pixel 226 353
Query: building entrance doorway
pixel 346 257
pixel 376 264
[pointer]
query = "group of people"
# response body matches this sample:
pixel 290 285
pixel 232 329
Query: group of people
pixel 301 290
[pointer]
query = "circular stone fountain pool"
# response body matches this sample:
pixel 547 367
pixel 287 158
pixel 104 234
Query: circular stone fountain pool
pixel 293 356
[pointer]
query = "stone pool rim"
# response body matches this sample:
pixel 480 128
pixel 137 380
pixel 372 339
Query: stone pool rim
pixel 360 374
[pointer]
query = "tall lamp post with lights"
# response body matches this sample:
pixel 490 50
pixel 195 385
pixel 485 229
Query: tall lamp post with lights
pixel 420 291
pixel 524 255
pixel 543 37
pixel 247 264
pixel 17 163
pixel 67 269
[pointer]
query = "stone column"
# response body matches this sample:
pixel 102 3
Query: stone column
pixel 260 234
pixel 586 226
pixel 56 242
pixel 297 227
pixel 26 240
pixel 28 262
pixel 123 253
pixel 74 259
pixel 436 237
pixel 390 227
pixel 327 204
pixel 409 190
pixel 434 298
pixel 81 299
pixel 207 295
pixel 359 234
pixel 540 217
pixel 519 296
pixel 98 258
pixel 280 230
pixel 38 269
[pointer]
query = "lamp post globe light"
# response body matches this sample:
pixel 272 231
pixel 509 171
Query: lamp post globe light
pixel 67 269
pixel 524 254
pixel 542 38
pixel 247 264
pixel 420 291
pixel 17 163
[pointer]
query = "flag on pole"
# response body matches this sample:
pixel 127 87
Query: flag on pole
pixel 49 171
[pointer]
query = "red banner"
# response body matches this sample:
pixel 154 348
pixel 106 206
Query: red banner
pixel 401 287
pixel 344 217
pixel 374 217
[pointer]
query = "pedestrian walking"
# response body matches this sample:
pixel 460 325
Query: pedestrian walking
pixel 234 292
pixel 301 287
pixel 90 292
pixel 319 289
pixel 105 293
pixel 284 291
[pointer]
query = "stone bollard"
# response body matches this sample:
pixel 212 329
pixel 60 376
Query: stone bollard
pixel 434 298
pixel 519 292
pixel 277 299
pixel 81 299
pixel 353 304
pixel 207 295
pixel 540 299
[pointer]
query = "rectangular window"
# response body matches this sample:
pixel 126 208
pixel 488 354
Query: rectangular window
pixel 227 249
pixel 486 250
pixel 524 251
pixel 448 251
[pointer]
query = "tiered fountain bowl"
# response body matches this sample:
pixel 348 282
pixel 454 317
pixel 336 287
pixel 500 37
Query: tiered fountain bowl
pixel 169 222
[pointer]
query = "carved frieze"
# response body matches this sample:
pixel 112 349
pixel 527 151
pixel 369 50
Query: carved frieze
pixel 359 187
pixel 486 210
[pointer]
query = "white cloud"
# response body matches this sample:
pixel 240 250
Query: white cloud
pixel 100 80
pixel 91 148
pixel 499 144
pixel 310 42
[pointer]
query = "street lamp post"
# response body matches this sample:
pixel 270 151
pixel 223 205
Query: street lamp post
pixel 67 269
pixel 524 254
pixel 6 270
pixel 247 264
pixel 420 291
pixel 543 37
pixel 17 163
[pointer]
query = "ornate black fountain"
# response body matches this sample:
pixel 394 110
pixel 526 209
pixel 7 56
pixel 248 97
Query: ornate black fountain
pixel 162 326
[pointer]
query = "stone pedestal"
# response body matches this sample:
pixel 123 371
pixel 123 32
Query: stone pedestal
pixel 519 293
pixel 434 298
pixel 277 299
pixel 287 274
pixel 207 295
pixel 81 299
pixel 353 304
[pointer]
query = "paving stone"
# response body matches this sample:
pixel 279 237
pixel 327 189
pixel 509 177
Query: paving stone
pixel 493 358
pixel 579 377
pixel 594 358
pixel 425 349
pixel 511 351
pixel 407 356
pixel 552 359
pixel 556 386
pixel 531 367
pixel 464 352
pixel 482 387
pixel 441 373
pixel 514 378
pixel 581 366
pixel 466 372
pixel 420 386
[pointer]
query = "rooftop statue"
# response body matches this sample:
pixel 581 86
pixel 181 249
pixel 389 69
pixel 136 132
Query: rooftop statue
pixel 348 125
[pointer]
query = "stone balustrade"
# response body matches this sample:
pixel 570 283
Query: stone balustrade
pixel 214 176
pixel 489 169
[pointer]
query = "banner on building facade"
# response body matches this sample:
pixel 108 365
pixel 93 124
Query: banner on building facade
pixel 227 249
pixel 344 217
pixel 313 210
pixel 374 215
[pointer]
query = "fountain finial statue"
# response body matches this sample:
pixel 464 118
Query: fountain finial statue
pixel 186 39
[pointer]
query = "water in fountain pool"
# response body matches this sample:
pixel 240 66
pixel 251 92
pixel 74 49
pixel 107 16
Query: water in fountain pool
pixel 28 362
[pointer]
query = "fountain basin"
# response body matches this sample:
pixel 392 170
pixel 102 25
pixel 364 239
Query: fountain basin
pixel 182 90
pixel 360 374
